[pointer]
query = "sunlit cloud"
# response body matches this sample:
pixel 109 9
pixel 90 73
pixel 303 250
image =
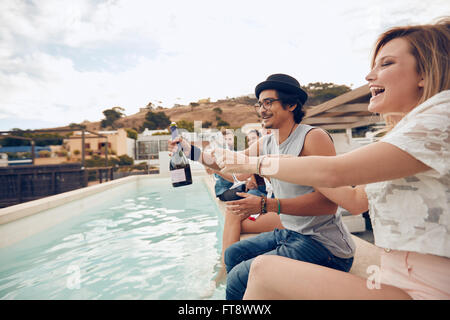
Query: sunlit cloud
pixel 67 61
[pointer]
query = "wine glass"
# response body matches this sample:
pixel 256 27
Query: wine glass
pixel 219 142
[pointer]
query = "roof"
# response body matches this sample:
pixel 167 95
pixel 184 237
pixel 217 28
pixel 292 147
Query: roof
pixel 348 110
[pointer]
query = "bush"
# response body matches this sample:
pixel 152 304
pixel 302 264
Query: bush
pixel 131 133
pixel 13 156
pixel 97 161
pixel 185 124
pixel 61 153
pixel 218 110
pixel 165 133
pixel 140 166
pixel 207 124
pixel 44 154
pixel 222 123
pixel 125 160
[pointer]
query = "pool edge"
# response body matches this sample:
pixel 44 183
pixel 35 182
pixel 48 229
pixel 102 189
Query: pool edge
pixel 23 210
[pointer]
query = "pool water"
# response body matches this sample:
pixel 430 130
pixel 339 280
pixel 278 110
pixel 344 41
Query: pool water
pixel 143 240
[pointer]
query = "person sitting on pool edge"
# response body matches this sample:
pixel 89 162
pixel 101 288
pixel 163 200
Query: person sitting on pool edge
pixel 404 178
pixel 311 230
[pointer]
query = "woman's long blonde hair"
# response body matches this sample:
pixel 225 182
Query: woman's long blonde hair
pixel 430 46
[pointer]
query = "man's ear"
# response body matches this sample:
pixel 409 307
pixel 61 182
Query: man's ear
pixel 292 107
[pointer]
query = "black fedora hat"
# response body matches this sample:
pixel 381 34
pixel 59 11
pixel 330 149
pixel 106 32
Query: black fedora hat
pixel 284 83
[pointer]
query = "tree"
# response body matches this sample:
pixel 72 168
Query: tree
pixel 222 123
pixel 44 154
pixel 184 124
pixel 131 133
pixel 207 124
pixel 155 120
pixel 125 160
pixel 111 115
pixel 218 111
pixel 319 92
pixel 76 125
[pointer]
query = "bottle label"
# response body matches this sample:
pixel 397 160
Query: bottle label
pixel 178 175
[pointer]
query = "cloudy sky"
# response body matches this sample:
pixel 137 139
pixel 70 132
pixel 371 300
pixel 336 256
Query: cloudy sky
pixel 65 61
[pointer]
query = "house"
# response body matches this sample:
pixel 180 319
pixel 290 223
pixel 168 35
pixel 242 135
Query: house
pixel 118 143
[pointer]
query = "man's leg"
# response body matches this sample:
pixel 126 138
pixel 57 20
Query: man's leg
pixel 238 258
pixel 237 279
pixel 249 248
pixel 288 244
pixel 304 248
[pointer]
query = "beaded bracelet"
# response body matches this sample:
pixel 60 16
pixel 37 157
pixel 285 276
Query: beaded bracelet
pixel 263 205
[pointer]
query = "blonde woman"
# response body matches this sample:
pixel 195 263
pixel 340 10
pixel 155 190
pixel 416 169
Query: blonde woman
pixel 404 180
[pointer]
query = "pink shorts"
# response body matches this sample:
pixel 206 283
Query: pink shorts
pixel 422 276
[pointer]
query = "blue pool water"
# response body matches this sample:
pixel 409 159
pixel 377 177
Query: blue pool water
pixel 143 240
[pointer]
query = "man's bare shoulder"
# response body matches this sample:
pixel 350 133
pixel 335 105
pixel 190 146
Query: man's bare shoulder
pixel 318 142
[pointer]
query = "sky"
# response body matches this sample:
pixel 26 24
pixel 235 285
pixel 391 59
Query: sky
pixel 64 62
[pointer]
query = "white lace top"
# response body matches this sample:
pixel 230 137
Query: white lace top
pixel 413 213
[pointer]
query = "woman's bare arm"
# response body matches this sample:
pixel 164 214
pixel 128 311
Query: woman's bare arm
pixel 354 200
pixel 376 162
pixel 379 161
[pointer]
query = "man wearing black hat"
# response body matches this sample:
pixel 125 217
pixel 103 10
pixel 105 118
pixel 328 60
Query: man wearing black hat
pixel 312 232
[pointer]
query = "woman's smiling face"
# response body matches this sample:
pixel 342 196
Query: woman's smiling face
pixel 394 82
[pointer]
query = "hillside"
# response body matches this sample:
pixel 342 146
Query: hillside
pixel 235 111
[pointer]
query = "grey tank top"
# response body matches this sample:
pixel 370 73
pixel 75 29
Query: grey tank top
pixel 327 229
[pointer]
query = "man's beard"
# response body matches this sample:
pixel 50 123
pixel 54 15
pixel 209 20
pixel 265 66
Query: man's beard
pixel 265 125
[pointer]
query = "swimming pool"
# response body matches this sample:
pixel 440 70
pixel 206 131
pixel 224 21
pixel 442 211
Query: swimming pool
pixel 141 240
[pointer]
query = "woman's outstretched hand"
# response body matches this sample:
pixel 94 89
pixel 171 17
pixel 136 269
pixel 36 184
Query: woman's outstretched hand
pixel 172 146
pixel 234 162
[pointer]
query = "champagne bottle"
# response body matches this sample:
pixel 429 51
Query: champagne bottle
pixel 180 170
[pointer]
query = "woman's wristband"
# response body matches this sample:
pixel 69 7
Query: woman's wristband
pixel 279 206
pixel 273 205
